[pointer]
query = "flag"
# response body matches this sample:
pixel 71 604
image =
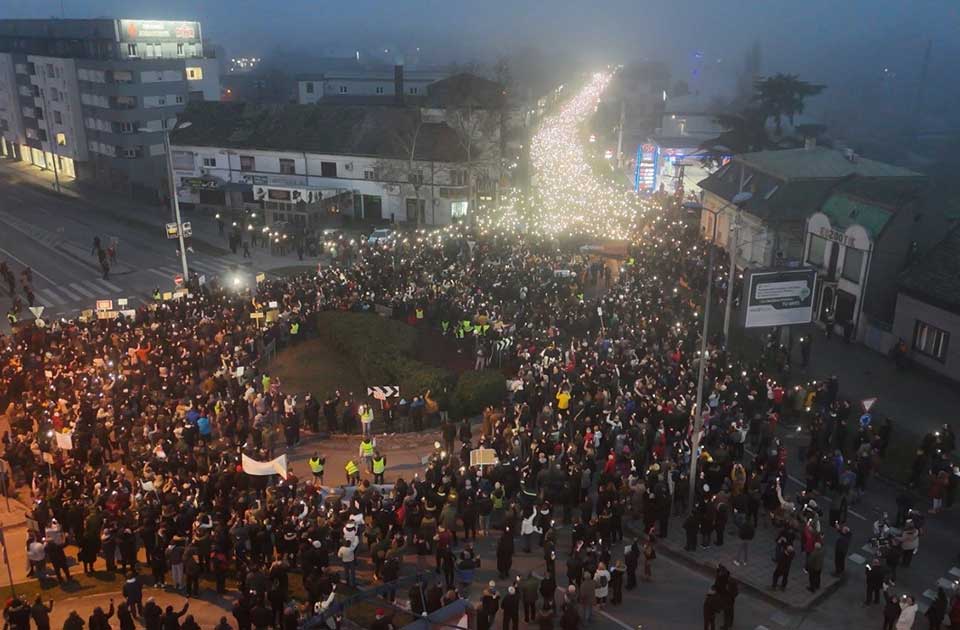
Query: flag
pixel 64 440
pixel 276 466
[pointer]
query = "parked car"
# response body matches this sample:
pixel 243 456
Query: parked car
pixel 379 236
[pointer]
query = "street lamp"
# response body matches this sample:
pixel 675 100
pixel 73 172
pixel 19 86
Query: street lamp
pixel 173 193
pixel 738 200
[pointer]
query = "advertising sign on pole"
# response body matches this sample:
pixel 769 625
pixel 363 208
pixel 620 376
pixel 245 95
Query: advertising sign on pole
pixel 779 297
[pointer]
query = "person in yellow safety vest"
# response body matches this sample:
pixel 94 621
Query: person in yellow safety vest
pixel 294 328
pixel 353 473
pixel 419 313
pixel 379 467
pixel 12 318
pixel 157 296
pixel 367 446
pixel 366 420
pixel 316 467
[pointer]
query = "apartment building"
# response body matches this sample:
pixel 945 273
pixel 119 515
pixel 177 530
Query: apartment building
pixel 93 98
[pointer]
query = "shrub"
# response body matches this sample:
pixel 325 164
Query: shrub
pixel 477 390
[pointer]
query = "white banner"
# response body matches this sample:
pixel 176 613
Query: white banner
pixel 64 440
pixel 276 466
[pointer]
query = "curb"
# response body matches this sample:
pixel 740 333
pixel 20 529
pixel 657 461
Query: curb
pixel 709 568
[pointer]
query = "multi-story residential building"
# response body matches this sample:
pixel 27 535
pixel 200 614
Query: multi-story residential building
pixel 370 85
pixel 93 98
pixel 300 163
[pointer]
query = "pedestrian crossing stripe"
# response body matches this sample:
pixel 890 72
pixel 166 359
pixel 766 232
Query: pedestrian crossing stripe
pixel 70 294
pixel 76 286
pixel 162 274
pixel 107 284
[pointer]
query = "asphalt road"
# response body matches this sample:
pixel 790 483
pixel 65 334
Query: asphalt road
pixel 53 235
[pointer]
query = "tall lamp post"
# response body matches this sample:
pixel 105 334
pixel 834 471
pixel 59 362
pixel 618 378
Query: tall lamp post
pixel 173 192
pixel 738 200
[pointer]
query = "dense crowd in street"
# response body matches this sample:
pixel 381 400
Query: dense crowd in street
pixel 593 444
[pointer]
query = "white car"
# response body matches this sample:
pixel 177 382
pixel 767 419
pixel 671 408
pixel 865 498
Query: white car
pixel 379 236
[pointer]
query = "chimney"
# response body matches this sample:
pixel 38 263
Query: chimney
pixel 850 155
pixel 809 143
pixel 398 84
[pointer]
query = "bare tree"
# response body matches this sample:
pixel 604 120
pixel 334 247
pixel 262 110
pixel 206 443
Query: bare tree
pixel 406 136
pixel 477 132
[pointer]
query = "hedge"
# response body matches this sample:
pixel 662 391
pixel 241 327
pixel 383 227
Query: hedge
pixel 475 391
pixel 382 349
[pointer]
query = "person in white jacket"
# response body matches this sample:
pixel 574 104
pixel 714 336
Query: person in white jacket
pixel 528 528
pixel 908 613
pixel 602 578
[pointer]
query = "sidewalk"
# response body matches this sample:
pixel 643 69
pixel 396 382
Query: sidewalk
pixel 916 402
pixel 757 574
pixel 206 238
pixel 206 612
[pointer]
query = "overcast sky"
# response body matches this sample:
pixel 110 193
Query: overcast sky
pixel 825 40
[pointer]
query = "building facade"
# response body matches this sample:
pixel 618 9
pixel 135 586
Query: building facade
pixel 300 164
pixel 859 242
pixel 93 98
pixel 927 315
pixel 369 85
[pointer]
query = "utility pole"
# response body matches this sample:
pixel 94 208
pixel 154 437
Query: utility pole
pixel 623 115
pixel 176 205
pixel 52 139
pixel 701 373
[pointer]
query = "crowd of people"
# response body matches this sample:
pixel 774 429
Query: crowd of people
pixel 129 433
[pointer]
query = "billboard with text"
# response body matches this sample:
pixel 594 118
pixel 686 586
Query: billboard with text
pixel 779 297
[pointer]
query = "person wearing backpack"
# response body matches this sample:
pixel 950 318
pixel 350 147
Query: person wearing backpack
pixel 745 533
pixel 602 578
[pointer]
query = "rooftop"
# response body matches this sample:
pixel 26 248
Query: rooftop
pixel 465 89
pixel 935 277
pixel 818 163
pixel 327 129
pixel 868 202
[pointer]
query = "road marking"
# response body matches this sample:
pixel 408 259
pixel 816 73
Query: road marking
pixel 615 620
pixel 76 286
pixel 945 584
pixel 50 297
pixel 159 273
pixel 70 294
pixel 857 558
pixel 26 265
pixel 109 285
pixel 824 498
pixel 930 593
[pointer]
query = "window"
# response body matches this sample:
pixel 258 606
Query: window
pixel 54 94
pixel 57 118
pixel 131 52
pixel 369 175
pixel 42 134
pixel 161 100
pixel 930 341
pixel 458 209
pixel 210 161
pixel 343 89
pixel 458 178
pixel 194 74
pixel 179 99
pixel 126 127
pixel 415 178
pixel 129 153
pixel 309 87
pixel 38 113
pixel 379 89
pixel 50 70
pixel 179 49
pixel 328 169
pixel 61 139
pixel 852 264
pixel 413 90
pixel 816 255
pixel 287 167
pixel 248 163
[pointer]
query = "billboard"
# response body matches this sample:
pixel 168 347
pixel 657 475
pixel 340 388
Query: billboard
pixel 779 297
pixel 157 30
